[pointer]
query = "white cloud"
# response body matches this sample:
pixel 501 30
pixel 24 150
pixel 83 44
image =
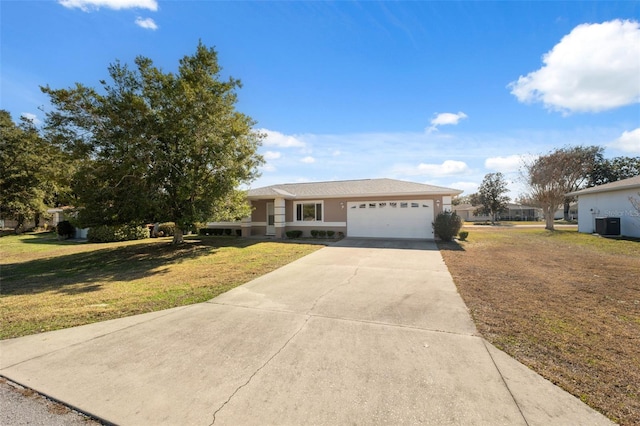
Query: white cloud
pixel 308 160
pixel 268 168
pixel 280 140
pixel 447 168
pixel 628 142
pixel 593 68
pixel 511 163
pixel 146 23
pixel 87 5
pixel 467 187
pixel 32 117
pixel 271 155
pixel 446 118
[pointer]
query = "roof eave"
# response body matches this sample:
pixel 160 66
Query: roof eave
pixel 361 195
pixel 596 190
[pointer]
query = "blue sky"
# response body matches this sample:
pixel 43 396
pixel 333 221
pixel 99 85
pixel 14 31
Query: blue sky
pixel 432 92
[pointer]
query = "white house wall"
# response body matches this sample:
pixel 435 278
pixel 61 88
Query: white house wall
pixel 611 204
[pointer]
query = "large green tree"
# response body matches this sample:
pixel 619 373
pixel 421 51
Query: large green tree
pixel 491 199
pixel 158 146
pixel 32 171
pixel 614 169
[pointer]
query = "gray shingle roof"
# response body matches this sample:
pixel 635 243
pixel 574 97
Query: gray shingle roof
pixel 346 188
pixel 633 182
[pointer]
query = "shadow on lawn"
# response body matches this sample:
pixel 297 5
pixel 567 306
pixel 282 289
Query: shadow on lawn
pixel 126 263
pixel 450 246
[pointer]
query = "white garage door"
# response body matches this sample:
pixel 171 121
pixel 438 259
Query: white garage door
pixel 390 219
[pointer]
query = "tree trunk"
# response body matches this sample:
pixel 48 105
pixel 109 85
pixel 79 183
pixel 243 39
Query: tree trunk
pixel 567 206
pixel 178 237
pixel 20 219
pixel 549 216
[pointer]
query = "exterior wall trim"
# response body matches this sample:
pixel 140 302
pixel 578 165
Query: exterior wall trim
pixel 315 224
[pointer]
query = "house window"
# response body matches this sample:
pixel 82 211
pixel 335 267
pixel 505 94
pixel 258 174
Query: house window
pixel 309 212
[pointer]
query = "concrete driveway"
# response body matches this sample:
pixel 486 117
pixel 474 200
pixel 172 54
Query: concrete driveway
pixel 361 332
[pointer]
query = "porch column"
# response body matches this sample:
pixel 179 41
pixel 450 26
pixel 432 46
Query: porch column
pixel 245 226
pixel 279 217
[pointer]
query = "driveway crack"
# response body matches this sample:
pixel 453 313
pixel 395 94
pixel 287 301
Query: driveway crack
pixel 332 289
pixel 259 369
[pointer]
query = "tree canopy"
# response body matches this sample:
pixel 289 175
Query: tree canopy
pixel 490 198
pixel 614 169
pixel 550 177
pixel 31 171
pixel 157 146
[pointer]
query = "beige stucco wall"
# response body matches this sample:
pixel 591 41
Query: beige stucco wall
pixel 259 213
pixel 334 214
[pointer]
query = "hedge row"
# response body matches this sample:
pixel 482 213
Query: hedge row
pixel 315 233
pixel 220 231
pixel 167 229
pixel 112 233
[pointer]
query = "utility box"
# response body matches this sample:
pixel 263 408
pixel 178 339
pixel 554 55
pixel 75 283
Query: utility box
pixel 608 225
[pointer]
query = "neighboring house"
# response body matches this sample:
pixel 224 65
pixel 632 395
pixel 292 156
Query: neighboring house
pixel 514 212
pixel 619 199
pixel 573 212
pixel 382 208
pixel 58 214
pixel 465 211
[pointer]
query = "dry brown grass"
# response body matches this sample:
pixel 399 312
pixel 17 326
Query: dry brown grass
pixel 563 303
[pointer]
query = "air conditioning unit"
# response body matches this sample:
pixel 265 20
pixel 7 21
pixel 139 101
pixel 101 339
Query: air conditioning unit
pixel 608 225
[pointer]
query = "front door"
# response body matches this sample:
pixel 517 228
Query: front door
pixel 271 220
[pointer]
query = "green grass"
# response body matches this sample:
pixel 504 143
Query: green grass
pixel 48 284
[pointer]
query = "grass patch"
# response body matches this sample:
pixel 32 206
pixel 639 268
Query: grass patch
pixel 48 284
pixel 564 303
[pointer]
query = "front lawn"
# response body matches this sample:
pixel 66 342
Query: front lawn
pixel 563 303
pixel 46 284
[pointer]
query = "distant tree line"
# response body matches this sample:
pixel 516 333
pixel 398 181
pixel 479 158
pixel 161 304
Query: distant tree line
pixel 549 178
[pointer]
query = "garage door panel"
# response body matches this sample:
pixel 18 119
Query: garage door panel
pixel 395 219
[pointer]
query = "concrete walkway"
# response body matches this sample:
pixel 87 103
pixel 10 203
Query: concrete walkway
pixel 362 332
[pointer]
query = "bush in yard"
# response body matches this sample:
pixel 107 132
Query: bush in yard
pixel 330 234
pixel 168 229
pixel 463 235
pixel 113 233
pixel 65 229
pixel 314 233
pixel 294 234
pixel 322 233
pixel 447 225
